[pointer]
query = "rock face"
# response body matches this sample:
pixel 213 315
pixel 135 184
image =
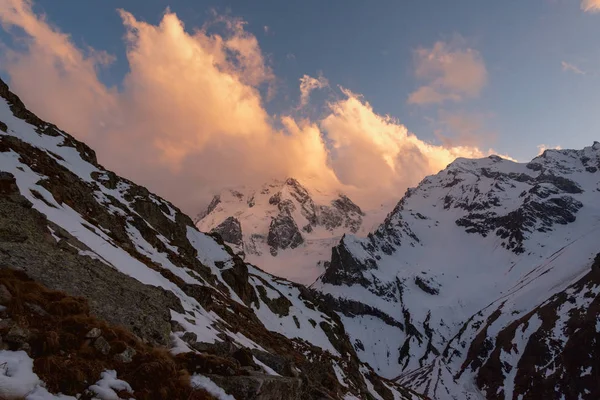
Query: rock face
pixel 483 277
pixel 141 265
pixel 284 223
pixel 230 230
pixel 284 233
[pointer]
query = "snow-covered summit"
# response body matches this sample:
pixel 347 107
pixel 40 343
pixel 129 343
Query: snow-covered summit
pixel 284 226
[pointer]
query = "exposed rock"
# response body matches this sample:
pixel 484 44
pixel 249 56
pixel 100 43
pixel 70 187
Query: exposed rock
pixel 345 268
pixel 211 206
pixel 426 285
pixel 280 306
pixel 102 345
pixel 284 233
pixel 93 333
pixel 244 357
pixel 237 278
pixel 230 230
pixel 190 338
pixel 277 363
pixel 17 335
pixel 126 356
pixel 43 259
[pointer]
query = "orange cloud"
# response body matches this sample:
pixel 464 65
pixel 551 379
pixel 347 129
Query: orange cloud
pixel 189 117
pixel 453 72
pixel 368 145
pixel 590 5
pixel 543 147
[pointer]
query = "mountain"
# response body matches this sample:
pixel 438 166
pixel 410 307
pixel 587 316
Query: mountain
pixel 483 282
pixel 103 281
pixel 285 226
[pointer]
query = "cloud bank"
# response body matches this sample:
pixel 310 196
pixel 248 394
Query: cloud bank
pixel 189 117
pixel 452 72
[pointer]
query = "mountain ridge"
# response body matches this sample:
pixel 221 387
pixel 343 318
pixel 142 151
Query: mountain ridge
pixel 142 266
pixel 479 231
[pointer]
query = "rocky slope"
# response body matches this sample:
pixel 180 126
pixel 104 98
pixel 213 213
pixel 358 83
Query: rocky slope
pixel 480 283
pixel 143 268
pixel 283 226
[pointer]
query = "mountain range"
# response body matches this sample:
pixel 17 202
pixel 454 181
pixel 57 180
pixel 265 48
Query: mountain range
pixel 483 282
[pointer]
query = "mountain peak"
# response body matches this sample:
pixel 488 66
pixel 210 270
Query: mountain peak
pixel 283 220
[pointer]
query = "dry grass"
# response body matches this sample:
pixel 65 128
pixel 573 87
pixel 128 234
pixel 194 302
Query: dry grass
pixel 69 363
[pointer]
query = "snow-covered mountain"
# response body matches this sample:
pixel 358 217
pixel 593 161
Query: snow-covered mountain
pixel 101 279
pixel 482 283
pixel 479 284
pixel 286 227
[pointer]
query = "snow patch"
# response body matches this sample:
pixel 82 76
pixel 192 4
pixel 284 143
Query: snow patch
pixel 202 382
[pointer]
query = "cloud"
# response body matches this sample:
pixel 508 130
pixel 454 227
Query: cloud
pixel 590 5
pixel 572 68
pixel 308 84
pixel 367 145
pixel 188 118
pixel 452 71
pixel 543 147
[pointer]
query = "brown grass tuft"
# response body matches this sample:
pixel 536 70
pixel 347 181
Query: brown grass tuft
pixel 69 363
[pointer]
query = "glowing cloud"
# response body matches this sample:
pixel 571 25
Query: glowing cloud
pixel 453 72
pixel 590 5
pixel 543 147
pixel 189 117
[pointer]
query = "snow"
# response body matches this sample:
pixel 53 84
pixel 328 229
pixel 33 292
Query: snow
pixel 286 325
pixel 40 393
pixel 473 273
pixel 17 379
pixel 381 342
pixel 108 385
pixel 340 375
pixel 178 346
pixel 202 382
pixel 303 264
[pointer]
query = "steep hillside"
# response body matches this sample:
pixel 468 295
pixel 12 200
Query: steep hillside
pixel 486 252
pixel 284 226
pixel 144 270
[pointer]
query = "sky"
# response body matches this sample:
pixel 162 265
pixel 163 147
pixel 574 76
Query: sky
pixel 187 96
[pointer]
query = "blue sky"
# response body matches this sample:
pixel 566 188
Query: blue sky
pixel 368 48
pixel 521 74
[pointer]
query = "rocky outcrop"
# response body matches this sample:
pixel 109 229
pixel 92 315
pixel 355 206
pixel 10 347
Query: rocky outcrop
pixel 60 266
pixel 230 230
pixel 346 269
pixel 284 233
